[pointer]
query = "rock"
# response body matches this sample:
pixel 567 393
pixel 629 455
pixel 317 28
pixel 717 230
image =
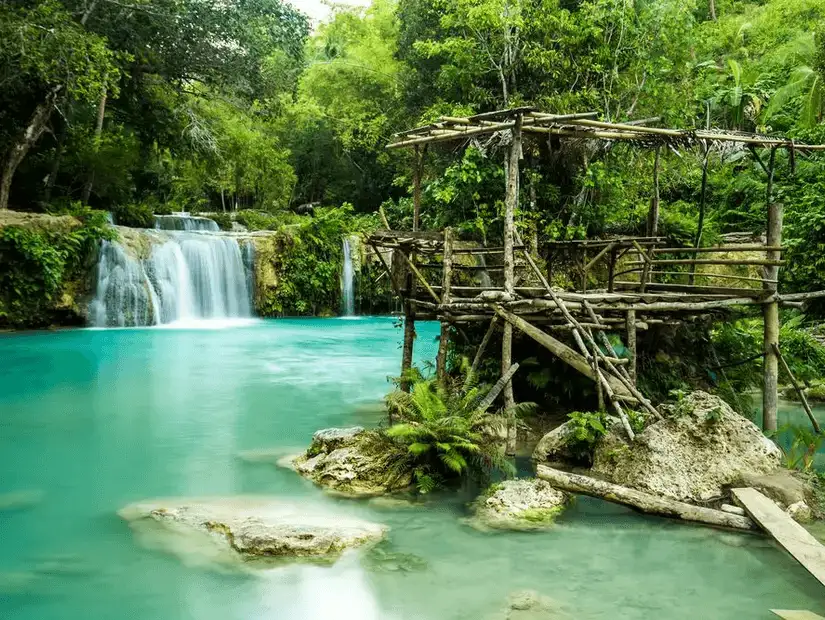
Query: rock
pixel 530 605
pixel 236 227
pixel 519 505
pixel 699 450
pixel 269 455
pixel 782 486
pixel 352 461
pixel 800 512
pixel 20 500
pixel 247 528
pixel 552 448
pixel 330 439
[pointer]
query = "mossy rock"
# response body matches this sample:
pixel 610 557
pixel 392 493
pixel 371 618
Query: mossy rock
pixel 521 505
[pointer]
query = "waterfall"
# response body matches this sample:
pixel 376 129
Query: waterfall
pixel 347 279
pixel 186 276
pixel 184 221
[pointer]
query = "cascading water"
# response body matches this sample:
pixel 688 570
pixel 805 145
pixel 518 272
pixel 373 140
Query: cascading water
pixel 186 276
pixel 347 280
pixel 184 221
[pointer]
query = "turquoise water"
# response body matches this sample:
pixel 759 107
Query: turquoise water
pixel 91 420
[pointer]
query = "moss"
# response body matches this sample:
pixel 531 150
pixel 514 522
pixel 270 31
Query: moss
pixel 541 515
pixel 816 392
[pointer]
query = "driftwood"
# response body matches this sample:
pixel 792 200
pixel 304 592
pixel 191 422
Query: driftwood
pixel 646 502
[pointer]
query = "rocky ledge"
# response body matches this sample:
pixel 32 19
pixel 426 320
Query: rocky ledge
pixel 519 505
pixel 694 454
pixel 351 461
pixel 240 529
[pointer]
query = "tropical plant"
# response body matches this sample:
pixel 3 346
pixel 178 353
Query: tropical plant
pixel 443 432
pixel 586 428
pixel 803 447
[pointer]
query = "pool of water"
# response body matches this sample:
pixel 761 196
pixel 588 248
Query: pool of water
pixel 91 420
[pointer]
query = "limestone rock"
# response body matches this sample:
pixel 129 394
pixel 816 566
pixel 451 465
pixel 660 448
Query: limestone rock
pixel 800 512
pixel 343 460
pixel 699 450
pixel 552 448
pixel 530 605
pixel 247 528
pixel 519 505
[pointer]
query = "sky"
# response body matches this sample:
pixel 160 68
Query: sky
pixel 318 10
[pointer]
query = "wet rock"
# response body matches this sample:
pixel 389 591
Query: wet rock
pixel 530 605
pixel 352 461
pixel 519 505
pixel 247 528
pixel 700 449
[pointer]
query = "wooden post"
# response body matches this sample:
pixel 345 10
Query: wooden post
pixel 409 302
pixel 630 326
pixel 799 390
pixel 441 360
pixel 702 201
pixel 653 214
pixel 417 188
pixel 770 310
pixel 510 205
pixel 611 270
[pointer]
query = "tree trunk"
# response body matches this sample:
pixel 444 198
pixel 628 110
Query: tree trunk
pixel 712 9
pixel 646 502
pixel 101 112
pixel 36 127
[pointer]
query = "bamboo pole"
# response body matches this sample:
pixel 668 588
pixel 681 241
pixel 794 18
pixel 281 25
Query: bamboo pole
pixel 485 403
pixel 653 215
pixel 798 389
pixel 441 359
pixel 770 311
pixel 770 262
pixel 510 206
pixel 630 326
pixel 480 352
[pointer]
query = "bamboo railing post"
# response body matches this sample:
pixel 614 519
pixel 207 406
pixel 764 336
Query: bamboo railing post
pixel 770 310
pixel 630 326
pixel 611 271
pixel 441 360
pixel 798 389
pixel 510 205
pixel 653 214
pixel 702 200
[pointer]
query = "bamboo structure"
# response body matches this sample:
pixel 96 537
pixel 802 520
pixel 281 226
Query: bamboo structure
pixel 628 283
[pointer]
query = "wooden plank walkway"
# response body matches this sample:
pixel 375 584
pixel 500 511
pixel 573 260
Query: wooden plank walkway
pixel 796 614
pixel 793 537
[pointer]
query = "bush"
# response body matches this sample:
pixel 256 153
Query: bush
pixel 37 263
pixel 223 220
pixel 586 429
pixel 134 215
pixel 443 433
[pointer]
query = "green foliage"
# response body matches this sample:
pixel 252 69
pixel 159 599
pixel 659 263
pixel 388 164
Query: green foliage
pixel 443 432
pixel 136 215
pixel 804 445
pixel 37 263
pixel 586 428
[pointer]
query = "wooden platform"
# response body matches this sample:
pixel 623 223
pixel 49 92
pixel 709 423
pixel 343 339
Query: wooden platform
pixel 796 614
pixel 793 537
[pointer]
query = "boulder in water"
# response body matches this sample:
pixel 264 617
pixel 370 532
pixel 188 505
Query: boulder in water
pixel 519 505
pixel 553 450
pixel 351 461
pixel 239 529
pixel 530 605
pixel 699 450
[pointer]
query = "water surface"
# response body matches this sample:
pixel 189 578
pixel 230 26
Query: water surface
pixel 91 420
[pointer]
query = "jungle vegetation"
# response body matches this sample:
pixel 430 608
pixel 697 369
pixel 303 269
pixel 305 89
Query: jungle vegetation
pixel 245 108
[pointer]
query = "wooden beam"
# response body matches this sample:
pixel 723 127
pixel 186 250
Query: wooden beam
pixel 794 538
pixel 713 261
pixel 485 403
pixel 468 381
pixel 558 348
pixel 443 341
pixel 646 502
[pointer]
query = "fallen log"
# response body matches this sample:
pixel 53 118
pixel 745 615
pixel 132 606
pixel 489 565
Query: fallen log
pixel 645 502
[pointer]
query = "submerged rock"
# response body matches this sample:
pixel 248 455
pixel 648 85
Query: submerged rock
pixel 530 605
pixel 352 461
pixel 240 529
pixel 699 450
pixel 519 505
pixel 20 500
